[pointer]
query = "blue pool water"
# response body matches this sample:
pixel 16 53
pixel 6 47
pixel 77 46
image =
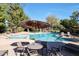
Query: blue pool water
pixel 20 36
pixel 49 37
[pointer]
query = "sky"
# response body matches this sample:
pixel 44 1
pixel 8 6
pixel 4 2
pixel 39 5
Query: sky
pixel 40 11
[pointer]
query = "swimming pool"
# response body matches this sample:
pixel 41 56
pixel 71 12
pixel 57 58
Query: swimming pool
pixel 18 36
pixel 49 37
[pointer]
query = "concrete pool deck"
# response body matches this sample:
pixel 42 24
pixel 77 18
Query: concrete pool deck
pixel 5 43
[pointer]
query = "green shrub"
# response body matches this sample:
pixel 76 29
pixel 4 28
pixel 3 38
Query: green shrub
pixel 9 30
pixel 2 27
pixel 20 29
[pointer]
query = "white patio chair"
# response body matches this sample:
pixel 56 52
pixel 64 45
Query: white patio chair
pixel 19 49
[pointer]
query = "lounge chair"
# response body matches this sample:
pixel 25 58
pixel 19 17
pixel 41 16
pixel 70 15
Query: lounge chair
pixel 62 34
pixel 68 34
pixel 3 52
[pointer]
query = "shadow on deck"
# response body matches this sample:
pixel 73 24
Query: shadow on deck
pixel 55 49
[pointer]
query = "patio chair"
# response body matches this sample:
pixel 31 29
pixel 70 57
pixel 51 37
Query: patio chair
pixel 32 52
pixel 19 49
pixel 24 43
pixel 54 52
pixel 3 52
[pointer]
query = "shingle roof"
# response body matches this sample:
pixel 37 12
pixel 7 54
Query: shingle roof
pixel 35 24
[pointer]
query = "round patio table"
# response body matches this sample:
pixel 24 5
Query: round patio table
pixel 35 46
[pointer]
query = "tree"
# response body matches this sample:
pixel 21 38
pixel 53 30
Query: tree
pixel 74 18
pixel 72 22
pixel 53 21
pixel 65 23
pixel 3 15
pixel 75 15
pixel 15 16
